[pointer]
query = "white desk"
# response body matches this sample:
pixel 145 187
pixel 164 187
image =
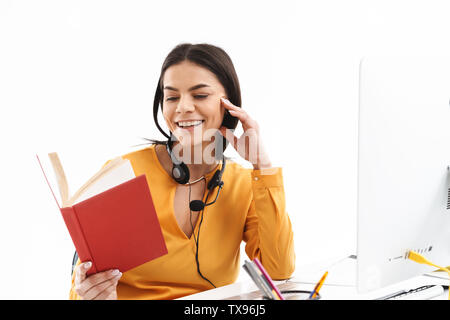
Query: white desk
pixel 339 285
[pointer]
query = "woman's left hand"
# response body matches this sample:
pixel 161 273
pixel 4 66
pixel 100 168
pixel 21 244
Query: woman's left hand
pixel 252 150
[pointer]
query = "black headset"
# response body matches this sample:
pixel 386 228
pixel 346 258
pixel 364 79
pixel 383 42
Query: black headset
pixel 180 173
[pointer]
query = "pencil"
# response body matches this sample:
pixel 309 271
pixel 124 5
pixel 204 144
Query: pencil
pixel 268 279
pixel 318 286
pixel 259 280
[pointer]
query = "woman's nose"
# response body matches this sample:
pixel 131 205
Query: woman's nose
pixel 185 105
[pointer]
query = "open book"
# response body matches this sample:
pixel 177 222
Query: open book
pixel 111 218
pixel 113 173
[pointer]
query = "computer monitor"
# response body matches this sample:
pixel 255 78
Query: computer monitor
pixel 403 168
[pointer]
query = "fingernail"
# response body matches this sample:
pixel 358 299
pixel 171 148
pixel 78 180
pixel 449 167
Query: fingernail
pixel 226 100
pixel 115 272
pixel 87 265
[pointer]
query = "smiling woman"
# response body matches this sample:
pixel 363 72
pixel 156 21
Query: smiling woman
pixel 217 67
pixel 188 107
pixel 199 95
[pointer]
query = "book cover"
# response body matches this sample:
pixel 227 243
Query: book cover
pixel 111 219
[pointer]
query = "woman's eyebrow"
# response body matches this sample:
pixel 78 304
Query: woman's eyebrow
pixel 198 86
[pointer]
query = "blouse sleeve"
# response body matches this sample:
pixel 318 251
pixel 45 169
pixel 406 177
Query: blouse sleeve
pixel 268 230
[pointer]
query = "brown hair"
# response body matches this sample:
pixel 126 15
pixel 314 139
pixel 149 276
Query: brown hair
pixel 215 60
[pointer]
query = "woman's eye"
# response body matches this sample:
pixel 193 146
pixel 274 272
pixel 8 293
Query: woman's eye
pixel 200 96
pixel 171 98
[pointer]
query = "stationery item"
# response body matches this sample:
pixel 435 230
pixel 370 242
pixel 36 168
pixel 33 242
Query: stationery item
pixel 422 293
pixel 259 280
pixel 318 286
pixel 111 218
pixel 267 277
pixel 290 291
pixel 298 295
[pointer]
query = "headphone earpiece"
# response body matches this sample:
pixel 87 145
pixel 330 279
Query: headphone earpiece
pixel 216 180
pixel 180 173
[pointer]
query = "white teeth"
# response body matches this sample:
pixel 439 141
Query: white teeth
pixel 189 123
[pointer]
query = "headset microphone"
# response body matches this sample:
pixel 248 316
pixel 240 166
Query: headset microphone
pixel 196 205
pixel 216 181
pixel 180 174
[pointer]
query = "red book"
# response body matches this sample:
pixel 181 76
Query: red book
pixel 114 229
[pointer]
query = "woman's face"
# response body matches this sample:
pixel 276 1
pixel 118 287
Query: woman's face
pixel 191 103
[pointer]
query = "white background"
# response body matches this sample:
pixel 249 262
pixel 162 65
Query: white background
pixel 78 77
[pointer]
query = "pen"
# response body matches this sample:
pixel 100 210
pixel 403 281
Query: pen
pixel 277 297
pixel 253 271
pixel 318 286
pixel 266 276
pixel 393 295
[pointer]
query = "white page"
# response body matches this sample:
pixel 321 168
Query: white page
pixel 119 175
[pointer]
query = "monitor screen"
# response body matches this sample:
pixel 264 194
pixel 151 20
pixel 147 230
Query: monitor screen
pixel 403 168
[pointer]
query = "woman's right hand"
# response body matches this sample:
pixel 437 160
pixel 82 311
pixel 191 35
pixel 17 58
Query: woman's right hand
pixel 98 286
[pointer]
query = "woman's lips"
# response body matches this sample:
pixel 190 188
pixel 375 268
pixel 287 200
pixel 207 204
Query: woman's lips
pixel 189 125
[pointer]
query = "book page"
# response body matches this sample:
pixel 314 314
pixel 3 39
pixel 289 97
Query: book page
pixel 117 175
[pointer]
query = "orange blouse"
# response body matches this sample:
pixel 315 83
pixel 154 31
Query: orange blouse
pixel 250 208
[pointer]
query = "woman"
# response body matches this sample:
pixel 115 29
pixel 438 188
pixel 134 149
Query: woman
pixel 199 95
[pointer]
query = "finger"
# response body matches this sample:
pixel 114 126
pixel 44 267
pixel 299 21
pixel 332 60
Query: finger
pixel 100 288
pixel 229 135
pixel 246 120
pixel 95 279
pixel 80 272
pixel 232 109
pixel 107 294
pixel 228 105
